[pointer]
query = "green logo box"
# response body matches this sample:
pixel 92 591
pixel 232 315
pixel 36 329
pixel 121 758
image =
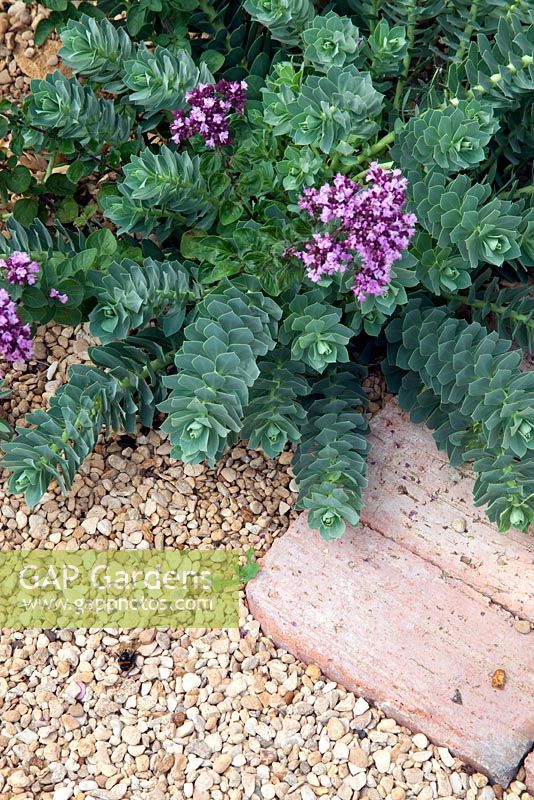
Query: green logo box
pixel 119 588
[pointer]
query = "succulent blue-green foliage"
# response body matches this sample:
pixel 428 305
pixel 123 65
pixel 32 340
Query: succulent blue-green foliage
pixel 217 366
pixel 65 109
pixel 466 384
pixel 285 19
pixel 510 309
pixel 387 47
pixel 461 214
pixel 453 138
pixel 328 109
pixel 314 333
pixel 158 79
pixel 129 295
pixel 97 49
pixel 329 464
pixel 183 261
pixel 440 269
pixel 299 167
pixel 275 413
pixel 159 188
pixel 331 41
pixel 371 314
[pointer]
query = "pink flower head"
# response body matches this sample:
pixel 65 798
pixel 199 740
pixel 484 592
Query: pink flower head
pixel 15 341
pixel 19 268
pixel 210 106
pixel 365 222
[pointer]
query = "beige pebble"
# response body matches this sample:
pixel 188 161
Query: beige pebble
pixel 335 729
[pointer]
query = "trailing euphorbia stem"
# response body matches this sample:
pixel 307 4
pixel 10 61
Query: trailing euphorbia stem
pixel 377 147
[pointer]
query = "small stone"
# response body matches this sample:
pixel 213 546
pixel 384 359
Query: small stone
pixel 422 755
pixel 398 793
pixel 420 740
pixel 268 791
pixel 204 782
pixel 221 762
pixel 459 525
pixel 522 625
pixel 358 781
pixel 18 779
pixel 446 757
pixel 413 775
pixel 382 759
pixel 248 782
pixel 63 793
pixel 236 687
pixel 229 474
pixel 444 784
pixel 313 672
pixel 131 734
pixel 335 729
pixel 358 757
pixel 164 762
pixel 191 681
pixel 341 751
pixel 361 707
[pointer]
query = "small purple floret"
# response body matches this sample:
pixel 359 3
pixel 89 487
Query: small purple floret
pixel 364 222
pixel 61 298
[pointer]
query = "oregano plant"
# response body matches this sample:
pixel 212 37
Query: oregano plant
pixel 250 203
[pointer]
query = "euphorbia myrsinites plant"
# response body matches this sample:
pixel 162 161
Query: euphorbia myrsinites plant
pixel 288 192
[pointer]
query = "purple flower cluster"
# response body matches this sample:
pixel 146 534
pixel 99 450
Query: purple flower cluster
pixel 366 222
pixel 210 105
pixel 15 341
pixel 19 268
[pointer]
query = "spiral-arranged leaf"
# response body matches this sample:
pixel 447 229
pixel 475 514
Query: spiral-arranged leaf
pixel 371 314
pixel 453 138
pixel 503 70
pixel 333 107
pixel 160 186
pixel 474 394
pixel 216 368
pixel 274 414
pixel 314 332
pixel 285 19
pixel 130 295
pixel 62 436
pixel 456 213
pixel 61 107
pixel 387 46
pixel 509 309
pixel 331 41
pixel 96 48
pixel 330 464
pixel 439 269
pixel 159 79
pixel 327 109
